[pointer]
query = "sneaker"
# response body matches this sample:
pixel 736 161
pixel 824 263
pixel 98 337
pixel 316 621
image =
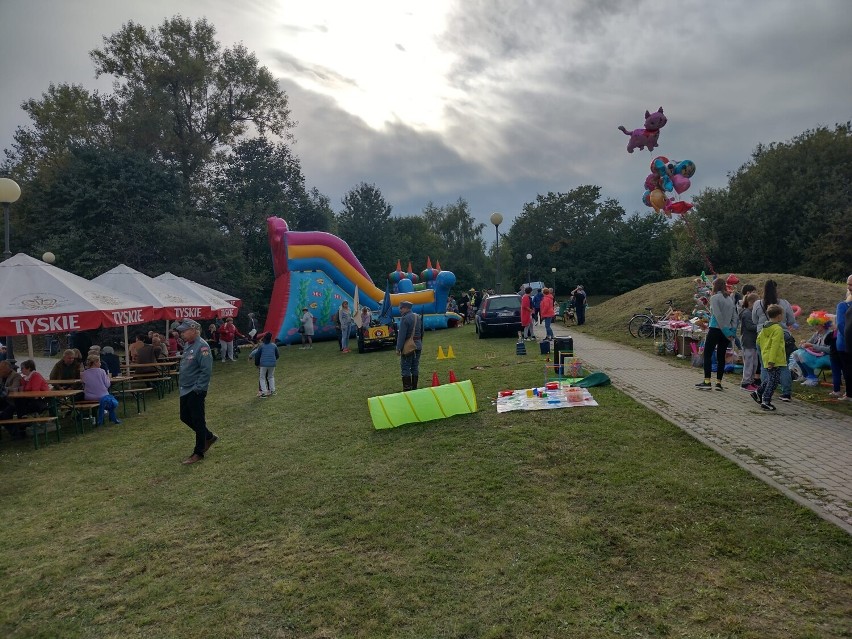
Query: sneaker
pixel 786 398
pixel 704 386
pixel 836 394
pixel 263 395
pixel 810 381
pixel 719 386
pixel 767 406
pixel 756 397
pixel 749 387
pixel 210 442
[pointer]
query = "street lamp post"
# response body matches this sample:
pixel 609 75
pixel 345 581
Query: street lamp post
pixel 553 270
pixel 9 192
pixel 497 220
pixel 529 269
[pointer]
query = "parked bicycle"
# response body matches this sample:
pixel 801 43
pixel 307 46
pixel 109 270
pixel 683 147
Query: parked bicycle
pixel 642 324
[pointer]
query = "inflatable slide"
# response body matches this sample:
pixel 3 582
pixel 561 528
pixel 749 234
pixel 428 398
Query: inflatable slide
pixel 318 271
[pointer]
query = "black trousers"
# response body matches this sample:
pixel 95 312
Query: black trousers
pixel 715 340
pixel 192 414
pixel 580 310
pixel 846 367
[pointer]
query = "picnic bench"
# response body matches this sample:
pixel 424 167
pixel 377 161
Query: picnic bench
pixel 53 397
pixel 35 421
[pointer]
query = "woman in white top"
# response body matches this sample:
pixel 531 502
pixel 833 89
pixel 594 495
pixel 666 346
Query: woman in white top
pixel 307 327
pixel 723 328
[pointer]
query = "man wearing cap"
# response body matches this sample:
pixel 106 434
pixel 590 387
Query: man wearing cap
pixel 464 304
pixel 409 324
pixel 196 366
pixel 579 295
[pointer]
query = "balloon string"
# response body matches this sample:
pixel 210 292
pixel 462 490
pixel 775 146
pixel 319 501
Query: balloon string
pixel 701 248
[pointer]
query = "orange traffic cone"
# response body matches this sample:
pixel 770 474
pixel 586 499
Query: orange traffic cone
pixel 435 380
pixel 453 376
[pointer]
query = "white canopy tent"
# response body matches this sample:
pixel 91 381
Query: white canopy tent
pixel 219 306
pixel 37 298
pixel 168 302
pixel 233 301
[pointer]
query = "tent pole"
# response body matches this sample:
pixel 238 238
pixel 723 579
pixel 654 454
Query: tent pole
pixel 126 348
pixel 30 345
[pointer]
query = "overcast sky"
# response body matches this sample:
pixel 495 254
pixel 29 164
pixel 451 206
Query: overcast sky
pixel 490 100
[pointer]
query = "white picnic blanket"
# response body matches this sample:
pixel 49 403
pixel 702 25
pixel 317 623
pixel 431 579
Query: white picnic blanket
pixel 519 400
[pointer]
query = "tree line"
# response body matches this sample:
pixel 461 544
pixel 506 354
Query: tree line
pixel 180 165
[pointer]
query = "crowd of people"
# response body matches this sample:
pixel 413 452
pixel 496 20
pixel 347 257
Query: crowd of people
pixel 759 323
pixel 771 355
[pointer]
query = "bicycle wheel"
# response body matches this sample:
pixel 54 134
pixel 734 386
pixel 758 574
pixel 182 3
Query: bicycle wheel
pixel 646 330
pixel 636 323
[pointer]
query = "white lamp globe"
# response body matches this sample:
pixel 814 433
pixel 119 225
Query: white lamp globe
pixel 49 257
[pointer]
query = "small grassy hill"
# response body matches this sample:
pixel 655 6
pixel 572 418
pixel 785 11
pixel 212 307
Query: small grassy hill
pixel 609 319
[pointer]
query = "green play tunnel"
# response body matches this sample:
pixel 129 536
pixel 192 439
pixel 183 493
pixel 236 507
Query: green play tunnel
pixel 422 405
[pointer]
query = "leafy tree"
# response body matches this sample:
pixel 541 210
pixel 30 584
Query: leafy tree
pixel 460 235
pixel 785 210
pixel 257 180
pixel 178 96
pixel 67 115
pixel 103 207
pixel 182 96
pixel 572 232
pixel 364 223
pixel 413 240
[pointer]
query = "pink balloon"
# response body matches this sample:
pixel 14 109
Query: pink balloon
pixel 680 182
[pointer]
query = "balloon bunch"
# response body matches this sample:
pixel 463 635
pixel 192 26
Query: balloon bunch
pixel 667 176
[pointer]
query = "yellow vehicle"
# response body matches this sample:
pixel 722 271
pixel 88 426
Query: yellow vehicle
pixel 376 336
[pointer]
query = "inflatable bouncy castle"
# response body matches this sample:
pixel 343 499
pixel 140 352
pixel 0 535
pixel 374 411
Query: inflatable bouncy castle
pixel 318 271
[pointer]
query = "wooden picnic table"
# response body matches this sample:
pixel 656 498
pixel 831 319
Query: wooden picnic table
pixel 166 364
pixel 53 396
pixel 118 380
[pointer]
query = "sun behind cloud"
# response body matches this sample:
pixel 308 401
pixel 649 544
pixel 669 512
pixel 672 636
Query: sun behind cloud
pixel 380 61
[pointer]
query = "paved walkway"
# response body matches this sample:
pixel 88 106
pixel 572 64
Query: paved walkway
pixel 803 450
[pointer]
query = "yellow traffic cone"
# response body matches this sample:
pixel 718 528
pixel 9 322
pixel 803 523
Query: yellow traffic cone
pixel 441 353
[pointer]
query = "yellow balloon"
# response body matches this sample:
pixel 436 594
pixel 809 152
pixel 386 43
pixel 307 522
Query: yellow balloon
pixel 658 200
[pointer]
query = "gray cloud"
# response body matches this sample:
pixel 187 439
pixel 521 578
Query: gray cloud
pixel 540 87
pixel 319 73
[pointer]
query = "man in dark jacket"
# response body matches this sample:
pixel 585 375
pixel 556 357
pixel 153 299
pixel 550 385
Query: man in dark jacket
pixel 579 294
pixel 410 324
pixel 196 368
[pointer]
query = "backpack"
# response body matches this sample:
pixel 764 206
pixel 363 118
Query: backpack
pixel 789 344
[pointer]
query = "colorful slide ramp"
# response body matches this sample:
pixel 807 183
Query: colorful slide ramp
pixel 318 271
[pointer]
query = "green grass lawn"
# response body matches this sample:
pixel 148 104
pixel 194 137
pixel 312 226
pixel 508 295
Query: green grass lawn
pixel 304 521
